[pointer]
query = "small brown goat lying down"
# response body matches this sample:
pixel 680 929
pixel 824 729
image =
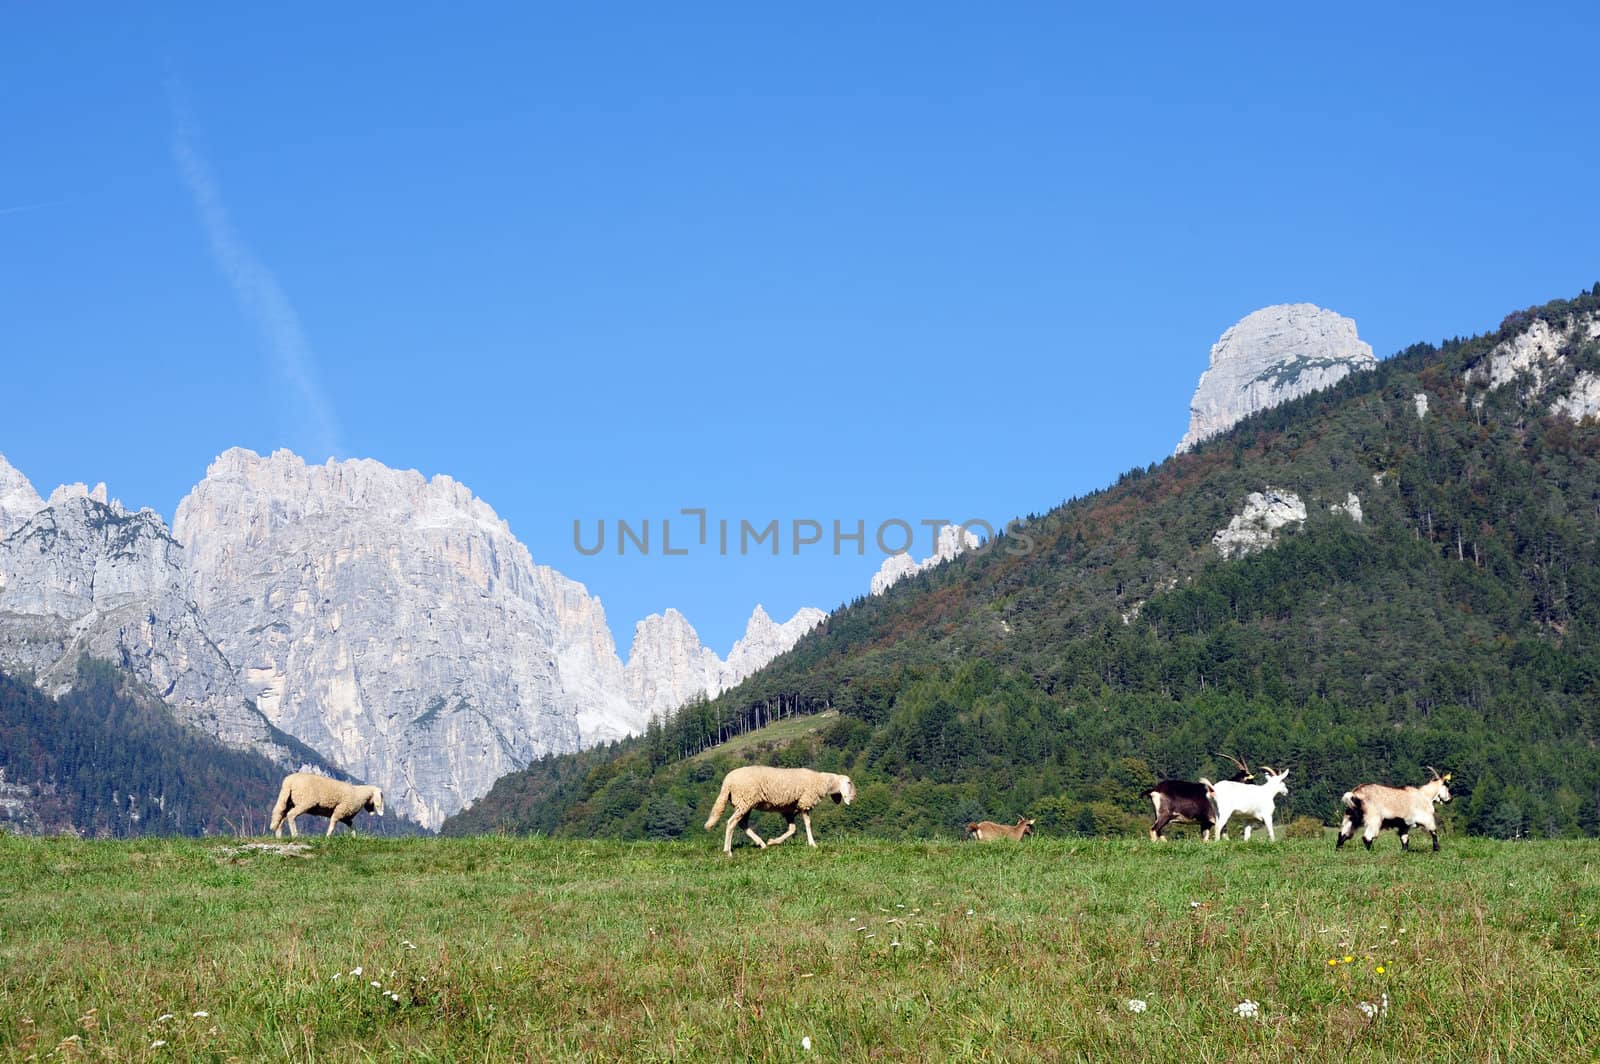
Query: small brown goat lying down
pixel 307 792
pixel 790 791
pixel 989 831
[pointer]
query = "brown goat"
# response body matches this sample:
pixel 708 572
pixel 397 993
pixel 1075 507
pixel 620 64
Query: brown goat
pixel 989 831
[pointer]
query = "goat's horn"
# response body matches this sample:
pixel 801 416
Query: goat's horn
pixel 1268 770
pixel 1433 770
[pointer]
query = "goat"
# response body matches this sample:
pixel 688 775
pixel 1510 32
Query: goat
pixel 1250 800
pixel 1186 802
pixel 1377 807
pixel 989 831
pixel 1194 803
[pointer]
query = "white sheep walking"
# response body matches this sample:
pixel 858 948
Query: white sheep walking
pixel 790 791
pixel 307 792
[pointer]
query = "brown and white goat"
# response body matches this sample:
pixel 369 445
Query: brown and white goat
pixel 1183 801
pixel 1376 807
pixel 989 831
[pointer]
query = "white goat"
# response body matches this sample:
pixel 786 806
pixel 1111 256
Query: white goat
pixel 1402 808
pixel 1252 800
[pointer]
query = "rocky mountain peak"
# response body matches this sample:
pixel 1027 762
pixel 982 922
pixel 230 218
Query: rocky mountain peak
pixel 1270 356
pixel 84 576
pixel 668 667
pixel 18 500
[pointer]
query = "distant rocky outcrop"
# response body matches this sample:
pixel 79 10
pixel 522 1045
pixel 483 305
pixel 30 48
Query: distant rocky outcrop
pixel 84 576
pixel 668 667
pixel 1256 526
pixel 1270 356
pixel 953 540
pixel 1543 354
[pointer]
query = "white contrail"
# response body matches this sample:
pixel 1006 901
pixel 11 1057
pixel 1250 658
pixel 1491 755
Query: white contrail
pixel 257 290
pixel 30 207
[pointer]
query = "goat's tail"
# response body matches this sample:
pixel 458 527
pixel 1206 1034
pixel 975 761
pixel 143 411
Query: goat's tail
pixel 1349 799
pixel 716 810
pixel 281 810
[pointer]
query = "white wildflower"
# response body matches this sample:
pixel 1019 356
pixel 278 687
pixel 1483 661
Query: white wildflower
pixel 1136 1005
pixel 201 1015
pixel 1247 1009
pixel 356 970
pixel 158 1043
pixel 969 912
pixel 805 1043
pixel 164 1017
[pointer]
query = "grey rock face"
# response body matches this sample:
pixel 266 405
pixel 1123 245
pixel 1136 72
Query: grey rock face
pixel 668 666
pixel 395 625
pixel 1255 528
pixel 18 500
pixel 1273 355
pixel 1537 354
pixel 83 576
pixel 953 540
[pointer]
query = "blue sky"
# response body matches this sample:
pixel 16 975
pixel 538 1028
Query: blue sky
pixel 932 261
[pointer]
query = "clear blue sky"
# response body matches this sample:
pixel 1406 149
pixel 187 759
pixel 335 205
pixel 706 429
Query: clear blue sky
pixel 935 260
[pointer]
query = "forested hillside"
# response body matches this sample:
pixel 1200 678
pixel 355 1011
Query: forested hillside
pixel 1108 642
pixel 108 760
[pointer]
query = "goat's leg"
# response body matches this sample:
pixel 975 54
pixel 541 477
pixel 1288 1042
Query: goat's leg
pixel 1247 829
pixel 1160 825
pixel 1220 825
pixel 1435 835
pixel 1271 836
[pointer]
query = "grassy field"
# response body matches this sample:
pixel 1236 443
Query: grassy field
pixel 361 948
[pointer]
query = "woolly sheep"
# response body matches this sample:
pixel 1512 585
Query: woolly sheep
pixel 307 792
pixel 790 791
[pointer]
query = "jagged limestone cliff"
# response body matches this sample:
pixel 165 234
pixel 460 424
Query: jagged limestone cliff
pixel 1273 355
pixel 396 625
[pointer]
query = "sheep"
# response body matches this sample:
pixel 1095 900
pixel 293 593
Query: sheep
pixel 989 831
pixel 307 792
pixel 1252 800
pixel 790 791
pixel 1402 808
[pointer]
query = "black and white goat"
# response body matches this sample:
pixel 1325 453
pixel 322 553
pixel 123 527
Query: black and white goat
pixel 1188 802
pixel 1377 807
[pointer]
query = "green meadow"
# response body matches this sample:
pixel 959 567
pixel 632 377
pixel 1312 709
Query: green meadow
pixel 496 948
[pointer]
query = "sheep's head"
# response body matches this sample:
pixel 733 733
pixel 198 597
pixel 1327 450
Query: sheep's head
pixel 375 803
pixel 846 792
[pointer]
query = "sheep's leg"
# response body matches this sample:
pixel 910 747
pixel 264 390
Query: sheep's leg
pixel 812 842
pixel 786 834
pixel 744 818
pixel 295 811
pixel 727 836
